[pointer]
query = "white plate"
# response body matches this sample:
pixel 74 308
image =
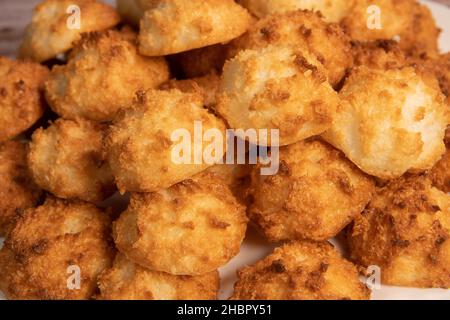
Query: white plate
pixel 256 248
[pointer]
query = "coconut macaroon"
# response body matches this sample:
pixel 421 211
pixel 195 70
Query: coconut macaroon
pixel 18 192
pixel 332 10
pixel 153 144
pixel 406 21
pixel 405 231
pixel 301 271
pixel 102 75
pixel 68 160
pixel 202 222
pixel 56 251
pixel 277 88
pixel 390 122
pixel 173 26
pixel 316 193
pixel 21 96
pixel 306 30
pixel 129 281
pixel 207 86
pixel 57 24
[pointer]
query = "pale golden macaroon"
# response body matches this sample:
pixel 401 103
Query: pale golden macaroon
pixel 203 61
pixel 51 246
pixel 207 86
pixel 301 271
pixel 145 144
pixel 57 24
pixel 18 192
pixel 314 195
pixel 173 26
pixel 129 281
pixel 102 75
pixel 332 10
pixel 405 231
pixel 68 160
pixel 277 88
pixel 21 96
pixel 406 21
pixel 390 122
pixel 192 228
pixel 304 30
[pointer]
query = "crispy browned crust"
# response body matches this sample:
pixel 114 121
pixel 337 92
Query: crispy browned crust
pixel 45 241
pixel 18 192
pixel 21 96
pixel 304 30
pixel 103 73
pixel 68 160
pixel 139 144
pixel 301 271
pixel 192 228
pixel 129 281
pixel 440 174
pixel 379 54
pixel 405 231
pixel 48 35
pixel 174 26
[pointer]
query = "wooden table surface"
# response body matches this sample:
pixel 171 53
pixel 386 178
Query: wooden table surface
pixel 16 14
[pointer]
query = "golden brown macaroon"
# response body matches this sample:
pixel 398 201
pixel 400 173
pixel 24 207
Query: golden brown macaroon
pixel 18 192
pixel 192 228
pixel 332 10
pixel 151 146
pixel 207 86
pixel 390 122
pixel 316 193
pixel 54 29
pixel 173 26
pixel 68 160
pixel 407 21
pixel 277 88
pixel 129 281
pixel 307 31
pixel 21 96
pixel 48 247
pixel 405 231
pixel 301 271
pixel 102 75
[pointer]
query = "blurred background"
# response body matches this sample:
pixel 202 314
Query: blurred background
pixel 16 14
